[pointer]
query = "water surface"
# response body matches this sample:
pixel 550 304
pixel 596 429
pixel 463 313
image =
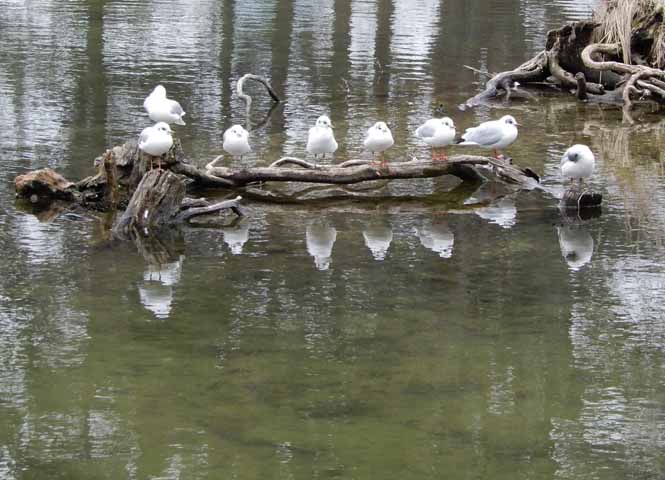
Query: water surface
pixel 409 338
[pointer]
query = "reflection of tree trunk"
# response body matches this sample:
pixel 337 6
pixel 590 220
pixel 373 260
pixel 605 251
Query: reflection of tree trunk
pixel 383 40
pixel 281 46
pixel 339 75
pixel 89 118
pixel 226 56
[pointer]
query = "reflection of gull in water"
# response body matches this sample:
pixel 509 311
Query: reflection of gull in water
pixel 576 246
pixel 501 212
pixel 437 237
pixel 320 238
pixel 236 235
pixel 378 239
pixel 156 290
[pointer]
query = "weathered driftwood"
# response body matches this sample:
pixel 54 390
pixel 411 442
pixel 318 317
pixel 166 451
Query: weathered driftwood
pixel 45 185
pixel 351 172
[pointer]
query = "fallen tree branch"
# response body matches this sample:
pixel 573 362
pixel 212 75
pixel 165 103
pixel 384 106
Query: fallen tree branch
pixel 460 166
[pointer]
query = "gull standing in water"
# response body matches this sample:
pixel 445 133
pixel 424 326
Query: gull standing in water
pixel 321 139
pixel 577 163
pixel 156 141
pixel 162 109
pixel 236 141
pixel 378 139
pixel 497 134
pixel 437 133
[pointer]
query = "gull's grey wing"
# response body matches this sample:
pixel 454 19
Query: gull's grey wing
pixel 426 130
pixel 176 109
pixel 484 134
pixel 143 136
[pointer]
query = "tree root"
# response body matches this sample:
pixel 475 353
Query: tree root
pixel 648 78
pixel 570 59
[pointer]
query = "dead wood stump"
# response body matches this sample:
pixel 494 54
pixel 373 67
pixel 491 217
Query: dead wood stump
pixel 154 204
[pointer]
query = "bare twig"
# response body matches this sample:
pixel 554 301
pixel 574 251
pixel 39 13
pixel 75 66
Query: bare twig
pixel 214 161
pixel 480 72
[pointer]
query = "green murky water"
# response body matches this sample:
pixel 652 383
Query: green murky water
pixel 413 338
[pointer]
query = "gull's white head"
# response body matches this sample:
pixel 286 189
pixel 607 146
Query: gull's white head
pixel 578 152
pixel 163 127
pixel 323 121
pixel 159 91
pixel 238 130
pixel 509 120
pixel 381 126
pixel 447 122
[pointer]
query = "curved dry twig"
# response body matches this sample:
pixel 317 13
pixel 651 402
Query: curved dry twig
pixel 295 161
pixel 353 163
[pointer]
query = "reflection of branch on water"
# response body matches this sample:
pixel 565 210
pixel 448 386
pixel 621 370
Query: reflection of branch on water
pixel 639 182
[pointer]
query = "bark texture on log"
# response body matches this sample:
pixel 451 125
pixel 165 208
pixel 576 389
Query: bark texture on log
pixel 154 204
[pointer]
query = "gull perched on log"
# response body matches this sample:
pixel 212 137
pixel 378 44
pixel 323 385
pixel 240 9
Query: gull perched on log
pixel 497 134
pixel 162 109
pixel 437 133
pixel 378 139
pixel 236 141
pixel 577 163
pixel 321 139
pixel 156 141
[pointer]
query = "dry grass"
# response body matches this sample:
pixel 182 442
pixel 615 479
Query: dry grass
pixel 620 18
